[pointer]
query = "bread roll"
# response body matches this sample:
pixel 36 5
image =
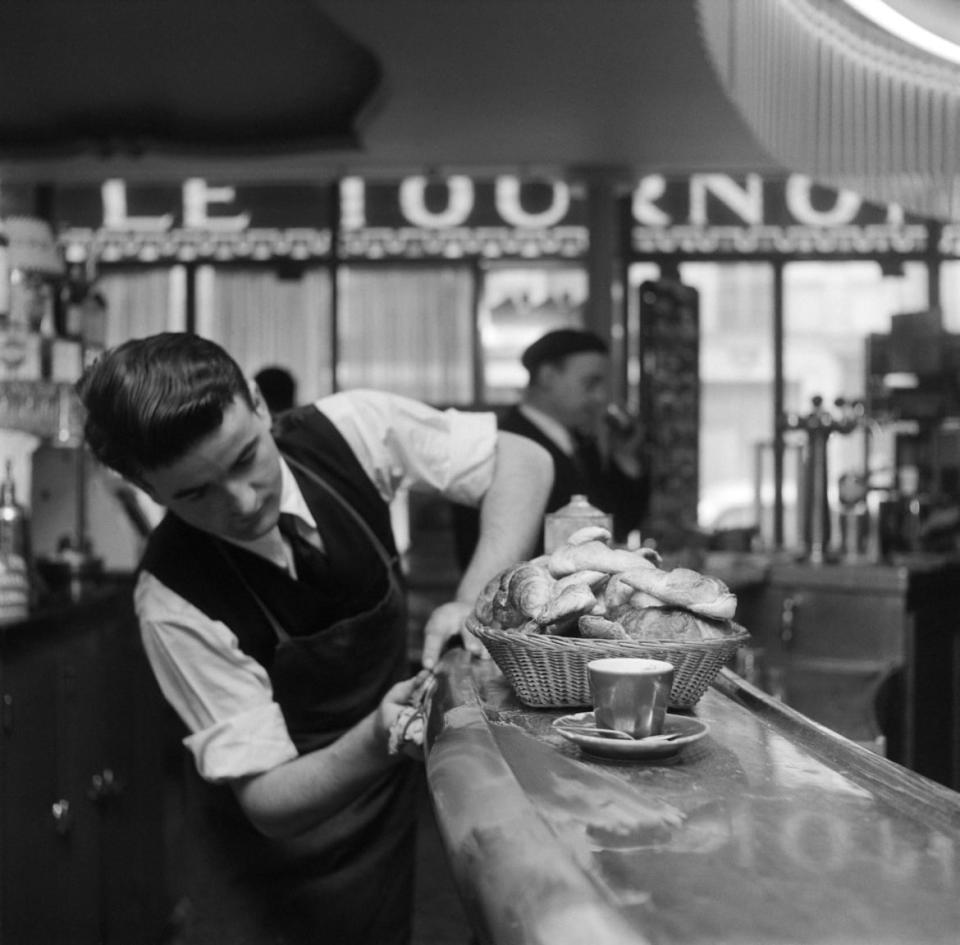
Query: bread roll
pixel 599 628
pixel 681 587
pixel 659 624
pixel 530 587
pixel 596 556
pixel 671 625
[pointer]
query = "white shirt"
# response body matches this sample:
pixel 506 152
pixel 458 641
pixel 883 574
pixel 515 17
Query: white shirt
pixel 224 696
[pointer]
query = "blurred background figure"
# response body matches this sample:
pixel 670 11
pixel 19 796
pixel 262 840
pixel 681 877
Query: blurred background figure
pixel 278 387
pixel 595 446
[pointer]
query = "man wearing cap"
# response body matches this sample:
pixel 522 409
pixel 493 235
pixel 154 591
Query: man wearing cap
pixel 563 409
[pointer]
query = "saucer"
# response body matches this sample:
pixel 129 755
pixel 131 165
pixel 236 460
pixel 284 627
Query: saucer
pixel 578 728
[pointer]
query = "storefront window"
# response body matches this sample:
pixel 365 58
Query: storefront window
pixel 950 294
pixel 407 329
pixel 830 308
pixel 518 304
pixel 142 301
pixel 264 319
pixel 736 398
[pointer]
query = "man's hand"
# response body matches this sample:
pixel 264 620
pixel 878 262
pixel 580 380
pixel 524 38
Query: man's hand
pixel 404 707
pixel 446 622
pixel 625 446
pixel 393 703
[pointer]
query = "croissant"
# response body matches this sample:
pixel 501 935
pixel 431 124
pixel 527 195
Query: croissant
pixel 565 608
pixel 600 628
pixel 655 625
pixel 483 609
pixel 530 588
pixel 596 556
pixel 681 587
pixel 589 533
pixel 618 591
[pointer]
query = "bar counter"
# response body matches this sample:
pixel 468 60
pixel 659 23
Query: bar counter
pixel 769 830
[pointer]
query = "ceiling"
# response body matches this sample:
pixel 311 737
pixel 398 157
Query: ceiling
pixel 313 89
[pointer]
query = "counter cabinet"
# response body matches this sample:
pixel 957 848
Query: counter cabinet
pixel 771 829
pixel 81 779
pixel 872 651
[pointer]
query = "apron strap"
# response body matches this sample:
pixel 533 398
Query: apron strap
pixel 389 561
pixel 278 630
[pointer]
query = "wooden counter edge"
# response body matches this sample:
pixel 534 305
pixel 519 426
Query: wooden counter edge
pixel 518 884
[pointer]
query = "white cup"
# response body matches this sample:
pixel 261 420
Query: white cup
pixel 630 694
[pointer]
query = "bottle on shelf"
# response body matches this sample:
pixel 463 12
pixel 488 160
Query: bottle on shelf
pixel 15 556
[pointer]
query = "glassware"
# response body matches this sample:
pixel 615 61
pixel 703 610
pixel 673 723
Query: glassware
pixel 576 514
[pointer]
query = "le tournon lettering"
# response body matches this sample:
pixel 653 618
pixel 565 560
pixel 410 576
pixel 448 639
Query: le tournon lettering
pixel 210 208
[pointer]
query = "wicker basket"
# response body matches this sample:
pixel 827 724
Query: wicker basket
pixel 550 671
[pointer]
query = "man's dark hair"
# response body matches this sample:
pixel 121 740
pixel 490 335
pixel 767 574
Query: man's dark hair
pixel 149 400
pixel 278 387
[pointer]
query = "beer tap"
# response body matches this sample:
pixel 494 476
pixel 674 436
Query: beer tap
pixel 818 425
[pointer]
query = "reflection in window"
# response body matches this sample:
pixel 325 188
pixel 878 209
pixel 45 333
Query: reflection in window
pixel 736 398
pixel 518 305
pixel 829 310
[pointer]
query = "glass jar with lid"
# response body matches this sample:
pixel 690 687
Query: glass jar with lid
pixel 576 514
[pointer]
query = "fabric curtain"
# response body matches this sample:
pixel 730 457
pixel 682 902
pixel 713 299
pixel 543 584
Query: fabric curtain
pixel 142 302
pixel 408 330
pixel 263 319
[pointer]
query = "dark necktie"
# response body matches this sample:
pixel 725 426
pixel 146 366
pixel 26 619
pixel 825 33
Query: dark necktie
pixel 587 457
pixel 311 563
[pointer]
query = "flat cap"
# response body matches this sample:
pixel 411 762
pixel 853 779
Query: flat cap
pixel 555 345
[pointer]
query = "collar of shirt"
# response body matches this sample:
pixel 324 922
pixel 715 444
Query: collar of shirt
pixel 549 427
pixel 272 546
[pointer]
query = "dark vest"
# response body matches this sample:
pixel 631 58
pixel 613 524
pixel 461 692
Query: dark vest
pixel 207 572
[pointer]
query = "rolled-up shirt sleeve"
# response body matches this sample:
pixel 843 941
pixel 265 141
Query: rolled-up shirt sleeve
pixel 223 696
pixel 404 443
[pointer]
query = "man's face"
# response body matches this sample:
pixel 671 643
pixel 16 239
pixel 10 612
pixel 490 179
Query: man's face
pixel 575 390
pixel 229 483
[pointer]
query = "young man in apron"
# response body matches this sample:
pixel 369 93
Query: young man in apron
pixel 271 608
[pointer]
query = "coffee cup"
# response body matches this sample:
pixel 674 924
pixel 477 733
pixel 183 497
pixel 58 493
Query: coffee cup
pixel 630 694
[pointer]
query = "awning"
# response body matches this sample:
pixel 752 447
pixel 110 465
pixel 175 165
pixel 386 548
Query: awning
pixel 866 103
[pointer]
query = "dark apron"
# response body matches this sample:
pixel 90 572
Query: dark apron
pixel 348 881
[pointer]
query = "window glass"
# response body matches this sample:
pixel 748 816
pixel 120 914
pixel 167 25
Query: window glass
pixel 950 294
pixel 518 304
pixel 736 395
pixel 829 310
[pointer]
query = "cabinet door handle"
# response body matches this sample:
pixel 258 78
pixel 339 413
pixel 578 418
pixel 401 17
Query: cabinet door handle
pixel 788 617
pixel 62 816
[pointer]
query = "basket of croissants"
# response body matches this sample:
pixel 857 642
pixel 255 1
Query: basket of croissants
pixel 544 619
